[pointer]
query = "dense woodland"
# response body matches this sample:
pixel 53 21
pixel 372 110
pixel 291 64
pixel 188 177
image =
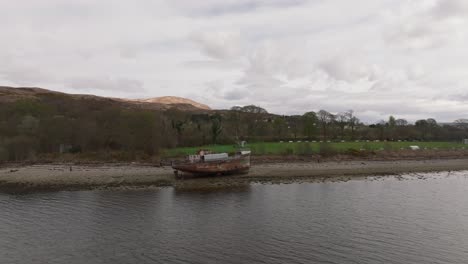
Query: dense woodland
pixel 55 123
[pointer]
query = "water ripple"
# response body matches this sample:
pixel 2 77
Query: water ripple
pixel 385 221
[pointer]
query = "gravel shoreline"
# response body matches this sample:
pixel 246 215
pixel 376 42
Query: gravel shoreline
pixel 58 177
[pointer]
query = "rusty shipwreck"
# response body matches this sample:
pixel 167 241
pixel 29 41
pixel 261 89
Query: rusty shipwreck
pixel 205 163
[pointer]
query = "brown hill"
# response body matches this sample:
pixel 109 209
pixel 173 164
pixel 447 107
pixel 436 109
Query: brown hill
pixel 174 100
pixel 12 94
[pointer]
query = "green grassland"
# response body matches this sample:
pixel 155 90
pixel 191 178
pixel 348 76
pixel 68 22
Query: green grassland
pixel 308 148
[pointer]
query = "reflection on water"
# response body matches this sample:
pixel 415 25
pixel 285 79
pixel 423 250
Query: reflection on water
pixel 381 221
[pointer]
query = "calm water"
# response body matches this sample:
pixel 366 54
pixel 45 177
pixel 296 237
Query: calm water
pixel 362 221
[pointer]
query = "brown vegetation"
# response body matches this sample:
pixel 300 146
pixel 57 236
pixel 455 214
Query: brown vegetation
pixel 173 100
pixel 37 123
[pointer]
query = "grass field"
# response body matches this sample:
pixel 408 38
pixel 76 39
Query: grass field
pixel 307 148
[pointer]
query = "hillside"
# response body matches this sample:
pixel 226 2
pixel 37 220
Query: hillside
pixel 174 100
pixel 12 94
pixel 37 123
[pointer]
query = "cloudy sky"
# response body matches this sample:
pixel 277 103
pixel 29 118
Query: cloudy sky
pixel 408 58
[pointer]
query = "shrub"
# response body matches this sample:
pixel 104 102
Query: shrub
pixel 304 149
pixel 20 148
pixel 367 147
pixel 357 152
pixel 3 154
pixel 288 151
pixel 388 146
pixel 326 149
pixel 75 149
pixel 259 149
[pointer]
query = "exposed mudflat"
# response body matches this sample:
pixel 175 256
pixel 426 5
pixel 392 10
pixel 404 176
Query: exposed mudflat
pixel 50 177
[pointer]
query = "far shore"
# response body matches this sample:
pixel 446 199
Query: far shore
pixel 58 177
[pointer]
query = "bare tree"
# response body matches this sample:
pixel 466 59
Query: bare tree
pixel 325 118
pixel 250 109
pixel 401 122
pixel 342 119
pixel 280 126
pixel 461 123
pixel 179 127
pixel 422 126
pixel 391 127
pixel 353 122
pixel 391 121
pixel 216 128
pixel 310 122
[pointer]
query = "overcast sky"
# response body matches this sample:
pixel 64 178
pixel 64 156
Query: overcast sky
pixel 408 58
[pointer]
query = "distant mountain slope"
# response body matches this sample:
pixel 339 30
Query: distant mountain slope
pixel 12 94
pixel 174 100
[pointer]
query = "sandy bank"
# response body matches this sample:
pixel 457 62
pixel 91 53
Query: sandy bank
pixel 71 177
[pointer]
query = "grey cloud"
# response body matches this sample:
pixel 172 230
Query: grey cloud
pixel 218 45
pixel 106 84
pixel 25 76
pixel 432 27
pixel 269 66
pixel 450 8
pixel 461 97
pixel 287 56
pixel 216 8
pixel 259 82
pixel 345 70
pixel 416 35
pixel 235 94
pixel 212 64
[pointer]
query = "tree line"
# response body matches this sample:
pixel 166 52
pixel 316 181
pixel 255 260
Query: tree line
pixel 56 124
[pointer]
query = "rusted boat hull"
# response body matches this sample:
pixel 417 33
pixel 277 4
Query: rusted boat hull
pixel 231 166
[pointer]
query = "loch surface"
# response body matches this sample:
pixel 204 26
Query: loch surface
pixel 414 219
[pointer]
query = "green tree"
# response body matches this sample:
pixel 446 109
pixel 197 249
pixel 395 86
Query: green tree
pixel 279 126
pixel 342 119
pixel 179 127
pixel 353 122
pixel 422 126
pixel 310 121
pixel 216 128
pixel 391 127
pixel 326 119
pixel 28 125
pixel 391 121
